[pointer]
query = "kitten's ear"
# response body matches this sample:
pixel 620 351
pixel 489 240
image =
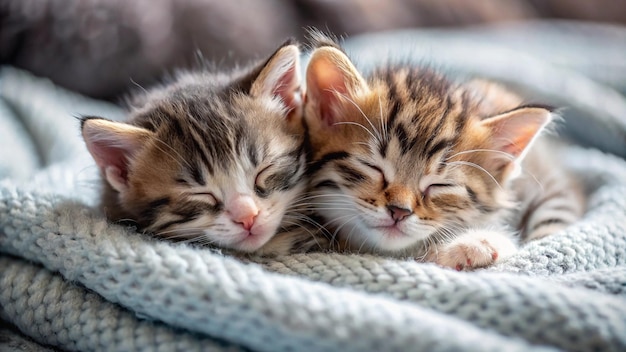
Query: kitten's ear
pixel 280 77
pixel 514 132
pixel 331 77
pixel 111 145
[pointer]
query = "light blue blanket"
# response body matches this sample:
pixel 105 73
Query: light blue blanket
pixel 70 280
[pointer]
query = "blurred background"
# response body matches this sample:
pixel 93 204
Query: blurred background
pixel 101 47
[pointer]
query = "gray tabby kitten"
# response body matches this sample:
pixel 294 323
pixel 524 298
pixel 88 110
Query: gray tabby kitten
pixel 212 157
pixel 406 162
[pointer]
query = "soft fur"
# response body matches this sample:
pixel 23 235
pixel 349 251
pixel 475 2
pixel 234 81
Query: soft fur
pixel 211 157
pixel 407 162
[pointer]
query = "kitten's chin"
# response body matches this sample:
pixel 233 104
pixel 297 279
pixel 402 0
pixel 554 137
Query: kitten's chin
pixel 394 240
pixel 377 239
pixel 251 243
pixel 391 239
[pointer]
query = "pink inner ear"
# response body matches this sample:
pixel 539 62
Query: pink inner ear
pixel 288 89
pixel 285 88
pixel 111 144
pixel 106 156
pixel 514 132
pixel 518 142
pixel 325 81
pixel 330 77
pixel 325 109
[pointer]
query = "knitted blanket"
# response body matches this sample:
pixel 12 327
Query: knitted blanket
pixel 69 280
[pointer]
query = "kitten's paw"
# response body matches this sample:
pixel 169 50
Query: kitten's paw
pixel 475 249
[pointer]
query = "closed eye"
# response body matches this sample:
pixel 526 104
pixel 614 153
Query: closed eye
pixel 377 169
pixel 207 197
pixel 259 184
pixel 441 185
pixel 435 186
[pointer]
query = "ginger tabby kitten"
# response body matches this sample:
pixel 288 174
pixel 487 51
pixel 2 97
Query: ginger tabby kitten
pixel 407 162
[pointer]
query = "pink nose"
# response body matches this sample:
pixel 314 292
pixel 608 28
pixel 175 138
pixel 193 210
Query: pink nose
pixel 243 211
pixel 398 213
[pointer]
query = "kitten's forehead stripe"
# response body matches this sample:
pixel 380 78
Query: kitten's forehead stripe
pixel 253 155
pixel 383 147
pixel 462 116
pixel 187 134
pixel 415 121
pixel 395 108
pixel 239 136
pixel 199 150
pixel 265 151
pixel 411 86
pixel 430 96
pixel 403 137
pixel 197 173
pixel 177 128
pixel 437 131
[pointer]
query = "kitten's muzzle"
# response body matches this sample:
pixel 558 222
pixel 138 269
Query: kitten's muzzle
pixel 243 211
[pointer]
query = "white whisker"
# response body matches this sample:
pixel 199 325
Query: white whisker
pixel 377 137
pixel 356 124
pixel 383 126
pixel 509 156
pixel 172 156
pixel 308 231
pixel 467 163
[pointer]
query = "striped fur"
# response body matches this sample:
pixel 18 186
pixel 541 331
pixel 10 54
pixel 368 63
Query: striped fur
pixel 407 162
pixel 213 158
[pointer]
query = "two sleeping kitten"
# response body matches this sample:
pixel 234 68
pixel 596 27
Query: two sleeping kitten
pixel 403 163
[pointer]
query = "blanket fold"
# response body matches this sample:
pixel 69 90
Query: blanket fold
pixel 71 280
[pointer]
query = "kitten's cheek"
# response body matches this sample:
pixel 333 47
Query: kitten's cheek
pixel 258 236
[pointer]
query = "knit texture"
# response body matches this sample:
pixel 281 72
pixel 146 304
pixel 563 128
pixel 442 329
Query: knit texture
pixel 70 280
